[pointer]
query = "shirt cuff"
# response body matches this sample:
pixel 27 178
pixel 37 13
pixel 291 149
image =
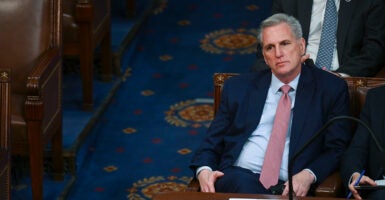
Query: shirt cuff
pixel 311 172
pixel 202 168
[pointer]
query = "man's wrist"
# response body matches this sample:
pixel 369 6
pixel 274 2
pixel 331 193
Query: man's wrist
pixel 201 169
pixel 312 174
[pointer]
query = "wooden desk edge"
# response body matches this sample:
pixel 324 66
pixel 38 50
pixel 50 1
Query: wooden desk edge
pixel 223 196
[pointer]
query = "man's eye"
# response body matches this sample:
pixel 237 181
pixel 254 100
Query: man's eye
pixel 285 43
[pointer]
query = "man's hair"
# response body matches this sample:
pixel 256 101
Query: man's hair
pixel 280 18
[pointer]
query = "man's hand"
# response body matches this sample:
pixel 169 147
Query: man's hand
pixel 365 180
pixel 207 179
pixel 305 57
pixel 341 75
pixel 301 183
pixel 335 73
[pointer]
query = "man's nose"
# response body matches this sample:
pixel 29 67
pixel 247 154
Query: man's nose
pixel 278 52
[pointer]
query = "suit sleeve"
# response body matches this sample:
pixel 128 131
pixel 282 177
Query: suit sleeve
pixel 334 140
pixel 211 149
pixel 355 158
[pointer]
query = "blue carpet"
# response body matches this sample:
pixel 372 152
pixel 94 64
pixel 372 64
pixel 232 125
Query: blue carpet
pixel 158 111
pixel 143 142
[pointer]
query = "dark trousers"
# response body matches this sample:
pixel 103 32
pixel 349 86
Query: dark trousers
pixel 240 180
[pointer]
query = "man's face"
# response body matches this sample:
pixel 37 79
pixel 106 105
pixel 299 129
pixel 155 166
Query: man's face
pixel 282 51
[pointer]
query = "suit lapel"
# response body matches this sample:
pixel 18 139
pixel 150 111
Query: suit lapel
pixel 344 19
pixel 257 98
pixel 303 101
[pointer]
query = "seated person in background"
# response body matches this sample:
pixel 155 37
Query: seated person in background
pixel 359 45
pixel 362 153
pixel 236 154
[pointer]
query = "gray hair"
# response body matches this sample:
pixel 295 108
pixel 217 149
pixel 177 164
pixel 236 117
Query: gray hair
pixel 279 18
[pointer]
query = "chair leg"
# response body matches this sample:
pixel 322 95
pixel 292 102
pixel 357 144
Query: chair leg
pixel 106 70
pixel 86 64
pixel 57 155
pixel 36 159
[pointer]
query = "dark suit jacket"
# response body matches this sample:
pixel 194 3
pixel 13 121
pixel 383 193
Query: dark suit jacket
pixel 319 97
pixel 363 152
pixel 360 32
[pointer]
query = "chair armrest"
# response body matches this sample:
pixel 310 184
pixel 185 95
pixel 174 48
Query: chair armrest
pixel 44 67
pixel 330 187
pixel 44 88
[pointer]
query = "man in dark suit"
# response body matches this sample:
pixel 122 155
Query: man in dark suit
pixel 231 157
pixel 363 153
pixel 360 43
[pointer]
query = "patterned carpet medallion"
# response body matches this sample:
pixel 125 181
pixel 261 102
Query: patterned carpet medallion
pixel 191 113
pixel 148 187
pixel 229 41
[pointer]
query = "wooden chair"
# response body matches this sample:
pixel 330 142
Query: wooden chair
pixel 86 26
pixel 5 137
pixel 31 37
pixel 358 86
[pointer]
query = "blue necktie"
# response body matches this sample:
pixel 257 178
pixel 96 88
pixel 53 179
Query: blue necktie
pixel 328 36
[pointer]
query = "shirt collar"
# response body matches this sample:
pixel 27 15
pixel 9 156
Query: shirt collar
pixel 276 84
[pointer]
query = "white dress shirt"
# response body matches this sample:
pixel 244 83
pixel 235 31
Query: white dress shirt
pixel 253 151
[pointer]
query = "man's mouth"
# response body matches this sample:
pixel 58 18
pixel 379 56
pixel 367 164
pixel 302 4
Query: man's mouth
pixel 281 63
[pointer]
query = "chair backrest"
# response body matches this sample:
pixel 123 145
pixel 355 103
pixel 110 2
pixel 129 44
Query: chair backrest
pixel 5 126
pixel 31 37
pixel 358 87
pixel 96 12
pixel 24 36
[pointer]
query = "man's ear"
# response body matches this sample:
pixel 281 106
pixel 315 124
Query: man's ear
pixel 263 53
pixel 303 46
pixel 264 59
